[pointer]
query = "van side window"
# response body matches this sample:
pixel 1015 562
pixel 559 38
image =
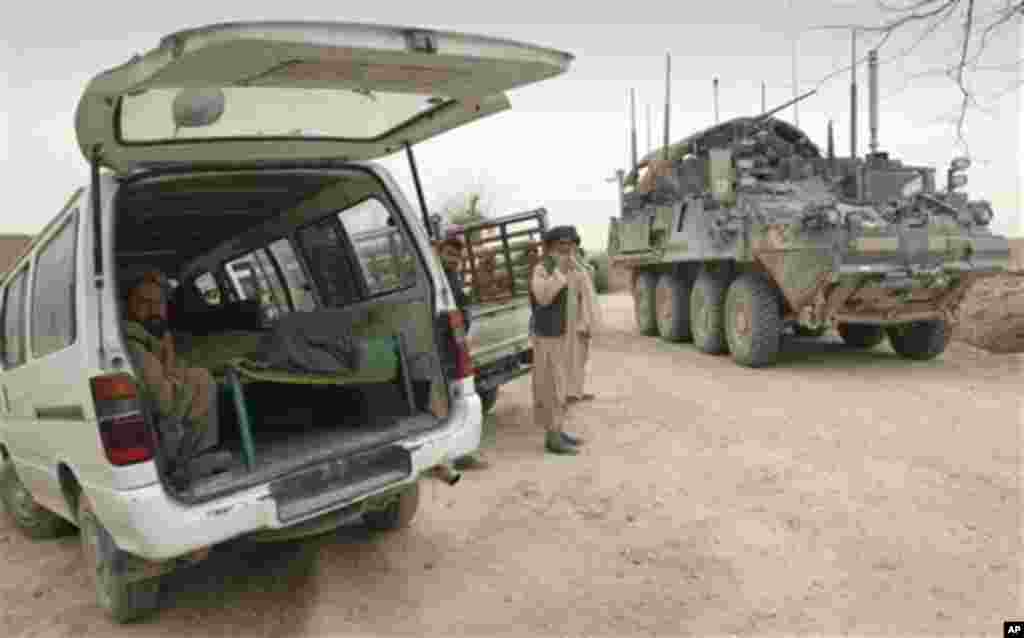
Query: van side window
pixel 254 277
pixel 14 353
pixel 328 261
pixel 53 292
pixel 384 257
pixel 208 289
pixel 295 278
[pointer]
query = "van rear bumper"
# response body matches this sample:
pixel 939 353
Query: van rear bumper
pixel 148 523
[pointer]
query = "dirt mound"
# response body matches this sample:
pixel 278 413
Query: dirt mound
pixel 992 314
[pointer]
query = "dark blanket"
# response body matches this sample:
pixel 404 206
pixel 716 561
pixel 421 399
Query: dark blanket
pixel 313 343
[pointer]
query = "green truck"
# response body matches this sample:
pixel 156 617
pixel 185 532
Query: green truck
pixel 500 253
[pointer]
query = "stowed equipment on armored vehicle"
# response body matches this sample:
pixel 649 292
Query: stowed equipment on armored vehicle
pixel 744 230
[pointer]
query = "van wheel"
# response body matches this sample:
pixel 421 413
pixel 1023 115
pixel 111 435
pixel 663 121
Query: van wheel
pixel 753 326
pixel 643 303
pixel 399 512
pixel 488 398
pixel 859 335
pixel 921 340
pixel 122 600
pixel 707 312
pixel 672 297
pixel 29 516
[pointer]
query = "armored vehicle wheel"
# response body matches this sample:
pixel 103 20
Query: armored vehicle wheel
pixel 31 518
pixel 673 302
pixel 399 513
pixel 804 331
pixel 123 599
pixel 707 312
pixel 861 335
pixel 643 303
pixel 753 325
pixel 921 340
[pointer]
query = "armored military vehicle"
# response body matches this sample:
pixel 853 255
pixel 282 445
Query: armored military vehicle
pixel 746 231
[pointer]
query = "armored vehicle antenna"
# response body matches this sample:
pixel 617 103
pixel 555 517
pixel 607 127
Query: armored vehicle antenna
pixel 668 100
pixel 831 151
pixel 873 98
pixel 632 126
pixel 764 106
pixel 714 88
pixel 768 114
pixel 649 128
pixel 853 94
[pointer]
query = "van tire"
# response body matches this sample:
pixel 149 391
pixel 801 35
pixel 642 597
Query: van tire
pixel 30 517
pixel 488 399
pixel 398 514
pixel 123 601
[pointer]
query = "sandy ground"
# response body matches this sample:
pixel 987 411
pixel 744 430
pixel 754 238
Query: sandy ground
pixel 840 492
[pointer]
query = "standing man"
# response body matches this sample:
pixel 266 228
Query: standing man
pixel 553 283
pixel 587 320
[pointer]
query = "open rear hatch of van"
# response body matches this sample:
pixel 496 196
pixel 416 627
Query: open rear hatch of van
pixel 294 90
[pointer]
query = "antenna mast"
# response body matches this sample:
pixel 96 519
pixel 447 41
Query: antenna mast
pixel 714 88
pixel 648 128
pixel 853 94
pixel 668 100
pixel 764 106
pixel 796 82
pixel 632 127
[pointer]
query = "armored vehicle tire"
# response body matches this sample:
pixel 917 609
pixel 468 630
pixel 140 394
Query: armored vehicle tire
pixel 707 312
pixel 399 513
pixel 123 601
pixel 30 517
pixel 753 325
pixel 488 398
pixel 860 335
pixel 921 340
pixel 643 303
pixel 672 298
pixel 804 331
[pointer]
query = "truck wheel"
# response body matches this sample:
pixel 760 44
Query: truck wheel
pixel 672 298
pixel 707 312
pixel 643 303
pixel 399 513
pixel 487 399
pixel 29 516
pixel 921 340
pixel 753 327
pixel 861 335
pixel 123 601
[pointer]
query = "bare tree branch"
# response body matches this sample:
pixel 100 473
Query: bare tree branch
pixel 967 98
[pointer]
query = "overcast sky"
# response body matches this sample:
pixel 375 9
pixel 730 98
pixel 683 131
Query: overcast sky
pixel 562 137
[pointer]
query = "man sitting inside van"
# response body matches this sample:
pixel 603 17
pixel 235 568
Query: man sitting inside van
pixel 175 390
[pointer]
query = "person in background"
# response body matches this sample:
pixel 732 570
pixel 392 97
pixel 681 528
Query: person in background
pixel 587 320
pixel 553 287
pixel 449 251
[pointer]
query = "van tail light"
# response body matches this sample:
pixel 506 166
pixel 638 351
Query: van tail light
pixel 460 345
pixel 126 437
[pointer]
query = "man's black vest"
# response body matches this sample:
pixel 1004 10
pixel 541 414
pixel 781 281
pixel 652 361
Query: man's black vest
pixel 550 320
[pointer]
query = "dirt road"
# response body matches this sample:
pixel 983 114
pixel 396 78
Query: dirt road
pixel 841 492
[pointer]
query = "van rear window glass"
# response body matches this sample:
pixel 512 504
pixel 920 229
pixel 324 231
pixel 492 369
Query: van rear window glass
pixel 384 256
pixel 254 277
pixel 53 292
pixel 295 278
pixel 14 353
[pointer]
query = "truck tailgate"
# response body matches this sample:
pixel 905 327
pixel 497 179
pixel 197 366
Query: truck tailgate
pixel 499 330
